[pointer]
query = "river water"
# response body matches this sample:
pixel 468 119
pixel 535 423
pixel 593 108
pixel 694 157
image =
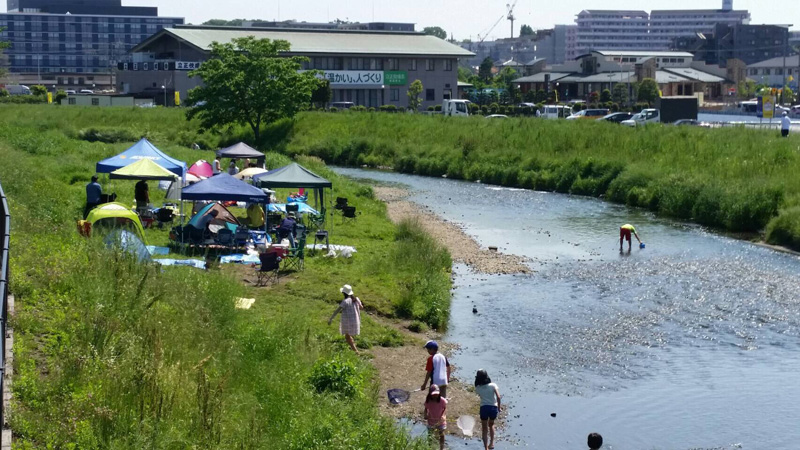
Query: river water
pixel 691 343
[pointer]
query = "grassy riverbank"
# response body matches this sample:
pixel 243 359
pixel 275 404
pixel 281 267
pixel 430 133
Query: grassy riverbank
pixel 732 178
pixel 113 354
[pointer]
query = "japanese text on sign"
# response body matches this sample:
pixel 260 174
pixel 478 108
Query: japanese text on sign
pixel 354 77
pixel 183 65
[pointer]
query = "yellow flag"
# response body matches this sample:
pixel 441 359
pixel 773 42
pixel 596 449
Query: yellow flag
pixel 177 98
pixel 660 94
pixel 790 79
pixel 49 97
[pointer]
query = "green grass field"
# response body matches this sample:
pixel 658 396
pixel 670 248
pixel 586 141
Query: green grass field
pixel 114 354
pixel 732 178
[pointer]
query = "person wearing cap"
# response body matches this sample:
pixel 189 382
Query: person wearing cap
pixel 350 323
pixel 436 413
pixel 93 193
pixel 437 368
pixel 786 124
pixel 288 228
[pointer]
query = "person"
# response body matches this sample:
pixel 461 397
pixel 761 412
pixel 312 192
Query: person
pixel 437 368
pixel 786 124
pixel 252 164
pixel 255 215
pixel 625 233
pixel 247 162
pixel 232 169
pixel 490 406
pixel 538 112
pixel 217 168
pixel 93 193
pixel 142 194
pixel 595 441
pixel 288 228
pixel 350 323
pixel 436 413
pixel 207 220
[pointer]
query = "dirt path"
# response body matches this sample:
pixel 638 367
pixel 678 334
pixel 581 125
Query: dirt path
pixel 462 247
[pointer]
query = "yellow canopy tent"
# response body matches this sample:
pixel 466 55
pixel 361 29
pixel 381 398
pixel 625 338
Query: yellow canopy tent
pixel 144 169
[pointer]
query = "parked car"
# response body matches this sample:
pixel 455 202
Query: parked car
pixel 689 122
pixel 86 91
pixel 779 110
pixel 796 109
pixel 588 114
pixel 342 105
pixel 69 92
pixel 616 117
pixel 556 111
pixel 18 89
pixel 497 116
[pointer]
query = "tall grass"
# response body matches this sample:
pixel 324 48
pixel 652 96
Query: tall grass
pixel 734 178
pixel 114 354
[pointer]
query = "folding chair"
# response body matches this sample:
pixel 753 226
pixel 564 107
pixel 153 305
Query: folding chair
pixel 348 214
pixel 241 237
pixel 317 221
pixel 225 239
pixel 268 272
pixel 164 215
pixel 341 202
pixel 296 257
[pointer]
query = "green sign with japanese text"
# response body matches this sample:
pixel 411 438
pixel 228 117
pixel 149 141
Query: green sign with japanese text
pixel 395 78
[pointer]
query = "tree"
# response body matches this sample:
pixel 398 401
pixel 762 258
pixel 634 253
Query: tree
pixel 787 96
pixel 526 30
pixel 505 78
pixel 247 81
pixel 39 90
pixel 464 74
pixel 60 95
pixel 747 89
pixel 605 96
pixel 647 91
pixel 414 91
pixel 435 31
pixel 485 69
pixel 541 96
pixel 594 97
pixel 224 23
pixel 619 94
pixel 322 94
pixel 3 45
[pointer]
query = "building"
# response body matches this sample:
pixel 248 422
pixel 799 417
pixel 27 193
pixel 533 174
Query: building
pixel 776 72
pixel 106 100
pixel 550 44
pixel 749 43
pixel 73 50
pixel 366 26
pixel 369 68
pixel 675 72
pixel 637 30
pixel 794 38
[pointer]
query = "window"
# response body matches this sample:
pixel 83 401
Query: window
pixel 430 95
pixel 394 95
pixel 778 71
pixel 448 65
pixel 71 100
pixel 95 102
pixel 394 64
pixel 753 71
pixel 412 64
pixel 767 72
pixel 430 64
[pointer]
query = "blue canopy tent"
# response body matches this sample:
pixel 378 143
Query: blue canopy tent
pixel 142 150
pixel 223 187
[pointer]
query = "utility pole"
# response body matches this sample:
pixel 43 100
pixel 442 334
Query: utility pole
pixel 785 50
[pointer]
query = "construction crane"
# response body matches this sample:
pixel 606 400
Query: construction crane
pixel 485 35
pixel 511 16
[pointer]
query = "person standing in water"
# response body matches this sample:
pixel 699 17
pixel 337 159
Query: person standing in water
pixel 490 406
pixel 625 234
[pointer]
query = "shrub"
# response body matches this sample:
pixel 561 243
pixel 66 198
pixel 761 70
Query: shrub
pixel 38 90
pixel 60 95
pixel 4 93
pixel 333 109
pixel 785 228
pixel 336 376
pixel 431 108
pixel 108 135
pixel 371 109
pixel 437 108
pixel 418 327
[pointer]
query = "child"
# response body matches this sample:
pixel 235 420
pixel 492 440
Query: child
pixel 437 368
pixel 490 406
pixel 436 413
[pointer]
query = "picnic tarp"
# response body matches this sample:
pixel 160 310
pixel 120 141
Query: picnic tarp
pixel 223 187
pixel 240 150
pixel 141 150
pixel 144 169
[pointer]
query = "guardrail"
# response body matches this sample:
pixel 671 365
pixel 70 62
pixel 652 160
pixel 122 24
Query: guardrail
pixel 5 238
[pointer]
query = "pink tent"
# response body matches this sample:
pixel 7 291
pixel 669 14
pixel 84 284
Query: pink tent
pixel 202 169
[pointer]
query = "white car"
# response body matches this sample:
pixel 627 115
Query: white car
pixel 497 116
pixel 69 92
pixel 87 91
pixel 646 116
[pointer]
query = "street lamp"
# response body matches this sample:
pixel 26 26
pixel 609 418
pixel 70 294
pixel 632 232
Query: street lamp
pixel 164 87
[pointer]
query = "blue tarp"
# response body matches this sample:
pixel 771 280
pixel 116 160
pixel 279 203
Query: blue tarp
pixel 128 242
pixel 301 208
pixel 224 187
pixel 142 150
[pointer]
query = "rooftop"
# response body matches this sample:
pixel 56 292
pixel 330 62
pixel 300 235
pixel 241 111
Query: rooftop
pixel 791 61
pixel 308 41
pixel 644 54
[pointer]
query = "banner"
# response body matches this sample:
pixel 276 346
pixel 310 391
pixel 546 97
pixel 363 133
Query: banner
pixel 354 77
pixel 395 78
pixel 768 107
pixel 49 97
pixel 177 98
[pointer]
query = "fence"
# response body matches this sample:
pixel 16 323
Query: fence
pixel 5 237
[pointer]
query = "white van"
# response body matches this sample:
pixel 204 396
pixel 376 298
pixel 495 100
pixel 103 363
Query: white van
pixel 455 107
pixel 18 89
pixel 556 111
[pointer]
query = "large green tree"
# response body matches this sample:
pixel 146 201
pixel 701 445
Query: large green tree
pixel 435 31
pixel 224 23
pixel 485 69
pixel 414 91
pixel 248 81
pixel 620 94
pixel 526 30
pixel 647 91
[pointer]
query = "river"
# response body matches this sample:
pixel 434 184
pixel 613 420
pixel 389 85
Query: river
pixel 690 343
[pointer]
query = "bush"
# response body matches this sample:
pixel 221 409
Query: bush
pixel 418 327
pixel 60 95
pixel 431 108
pixel 437 108
pixel 371 109
pixel 38 90
pixel 4 93
pixel 108 135
pixel 785 228
pixel 333 109
pixel 337 376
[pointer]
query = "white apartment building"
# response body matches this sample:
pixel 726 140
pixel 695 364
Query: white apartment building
pixel 639 31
